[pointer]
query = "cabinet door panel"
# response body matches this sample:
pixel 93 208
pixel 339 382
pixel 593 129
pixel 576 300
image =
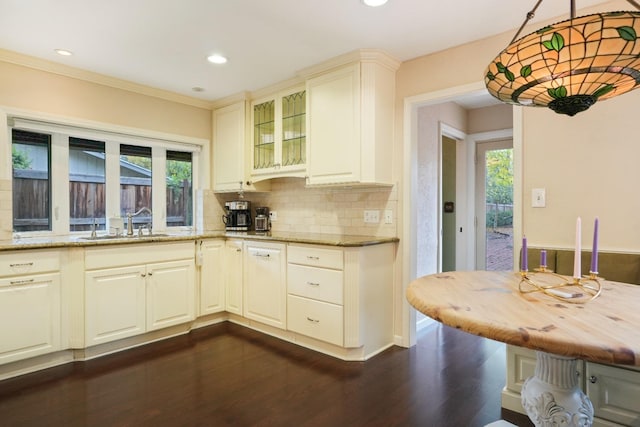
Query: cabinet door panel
pixel 30 315
pixel 265 286
pixel 233 276
pixel 114 304
pixel 228 147
pixel 316 319
pixel 334 127
pixel 170 294
pixel 614 393
pixel 212 290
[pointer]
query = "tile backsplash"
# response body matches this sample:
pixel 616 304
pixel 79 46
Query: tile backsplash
pixel 325 210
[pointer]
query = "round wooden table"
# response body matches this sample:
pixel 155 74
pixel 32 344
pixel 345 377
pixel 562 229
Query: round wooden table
pixel 489 304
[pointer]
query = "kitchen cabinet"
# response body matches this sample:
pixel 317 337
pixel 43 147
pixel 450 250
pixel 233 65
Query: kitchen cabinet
pixel 233 276
pixel 211 261
pixel 613 390
pixel 279 135
pixel 342 296
pixel 265 293
pixel 350 122
pixel 230 155
pixel 315 293
pixel 30 304
pixel 134 289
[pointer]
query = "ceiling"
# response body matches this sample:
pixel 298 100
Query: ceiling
pixel 165 43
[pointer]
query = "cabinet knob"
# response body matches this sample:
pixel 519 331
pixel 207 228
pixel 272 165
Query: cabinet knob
pixel 150 274
pixel 593 379
pixel 238 250
pixel 143 275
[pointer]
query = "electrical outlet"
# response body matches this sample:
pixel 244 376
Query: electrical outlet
pixel 388 216
pixel 371 217
pixel 273 215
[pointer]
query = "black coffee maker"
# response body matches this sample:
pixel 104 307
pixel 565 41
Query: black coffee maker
pixel 238 216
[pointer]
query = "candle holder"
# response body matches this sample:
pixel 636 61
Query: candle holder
pixel 573 290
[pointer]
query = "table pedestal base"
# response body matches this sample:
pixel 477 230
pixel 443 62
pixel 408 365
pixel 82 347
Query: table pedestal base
pixel 552 397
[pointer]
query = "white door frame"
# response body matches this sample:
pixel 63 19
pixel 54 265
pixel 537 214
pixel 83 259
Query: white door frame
pixel 408 240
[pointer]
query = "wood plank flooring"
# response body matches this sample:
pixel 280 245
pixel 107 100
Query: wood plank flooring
pixel 227 375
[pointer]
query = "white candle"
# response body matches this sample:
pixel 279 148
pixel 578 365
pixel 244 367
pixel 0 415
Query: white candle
pixel 577 270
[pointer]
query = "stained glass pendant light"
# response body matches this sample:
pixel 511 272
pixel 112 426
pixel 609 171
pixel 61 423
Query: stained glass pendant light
pixel 570 65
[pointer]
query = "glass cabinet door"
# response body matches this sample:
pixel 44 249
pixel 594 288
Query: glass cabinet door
pixel 264 135
pixel 294 129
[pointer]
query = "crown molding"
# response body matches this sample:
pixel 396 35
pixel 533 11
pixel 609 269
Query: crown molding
pixel 101 79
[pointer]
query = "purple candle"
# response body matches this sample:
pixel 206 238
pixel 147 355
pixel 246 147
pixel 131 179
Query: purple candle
pixel 543 258
pixel 594 252
pixel 523 260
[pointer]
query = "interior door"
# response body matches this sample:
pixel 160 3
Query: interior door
pixel 494 171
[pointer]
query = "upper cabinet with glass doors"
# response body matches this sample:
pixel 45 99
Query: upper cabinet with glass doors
pixel 279 135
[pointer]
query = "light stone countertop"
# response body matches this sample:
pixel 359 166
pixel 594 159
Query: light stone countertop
pixel 81 240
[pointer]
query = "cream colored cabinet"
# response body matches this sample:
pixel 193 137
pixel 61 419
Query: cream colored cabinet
pixel 30 304
pixel 230 155
pixel 233 274
pixel 279 135
pixel 134 289
pixel 115 303
pixel 350 122
pixel 170 293
pixel 211 261
pixel 342 296
pixel 315 293
pixel 265 293
pixel 613 390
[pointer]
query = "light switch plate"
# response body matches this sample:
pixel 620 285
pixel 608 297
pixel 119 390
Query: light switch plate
pixel 371 216
pixel 538 198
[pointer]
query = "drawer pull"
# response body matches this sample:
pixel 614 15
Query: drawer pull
pixel 314 258
pixel 593 379
pixel 313 284
pixel 21 264
pixel 22 282
pixel 312 320
pixel 262 255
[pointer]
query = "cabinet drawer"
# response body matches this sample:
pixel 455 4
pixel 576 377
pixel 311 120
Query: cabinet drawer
pixel 316 283
pixel 28 262
pixel 614 393
pixel 316 257
pixel 316 319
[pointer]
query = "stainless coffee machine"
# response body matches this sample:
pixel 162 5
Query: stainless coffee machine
pixel 262 219
pixel 238 216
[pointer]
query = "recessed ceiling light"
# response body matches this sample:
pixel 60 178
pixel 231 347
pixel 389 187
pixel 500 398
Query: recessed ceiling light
pixel 63 52
pixel 197 89
pixel 217 59
pixel 374 3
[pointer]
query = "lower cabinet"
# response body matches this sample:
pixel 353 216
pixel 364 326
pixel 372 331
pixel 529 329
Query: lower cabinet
pixel 265 292
pixel 212 285
pixel 123 301
pixel 613 390
pixel 233 276
pixel 30 304
pixel 30 315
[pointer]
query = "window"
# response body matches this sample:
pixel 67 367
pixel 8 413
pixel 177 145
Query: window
pixel 136 183
pixel 31 155
pixel 179 189
pixel 66 178
pixel 86 184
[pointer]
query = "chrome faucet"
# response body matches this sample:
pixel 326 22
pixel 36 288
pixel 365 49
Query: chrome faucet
pixel 130 219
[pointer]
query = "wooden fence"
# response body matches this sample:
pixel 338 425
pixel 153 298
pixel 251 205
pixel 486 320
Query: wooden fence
pixel 87 202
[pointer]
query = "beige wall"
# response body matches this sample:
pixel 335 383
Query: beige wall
pixel 45 93
pixel 488 119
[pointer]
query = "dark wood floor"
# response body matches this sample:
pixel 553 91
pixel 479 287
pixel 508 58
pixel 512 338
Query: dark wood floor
pixel 227 375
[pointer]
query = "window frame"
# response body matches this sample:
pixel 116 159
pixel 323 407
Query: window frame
pixel 159 143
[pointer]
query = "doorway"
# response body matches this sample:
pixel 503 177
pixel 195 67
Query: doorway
pixel 494 205
pixel 448 204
